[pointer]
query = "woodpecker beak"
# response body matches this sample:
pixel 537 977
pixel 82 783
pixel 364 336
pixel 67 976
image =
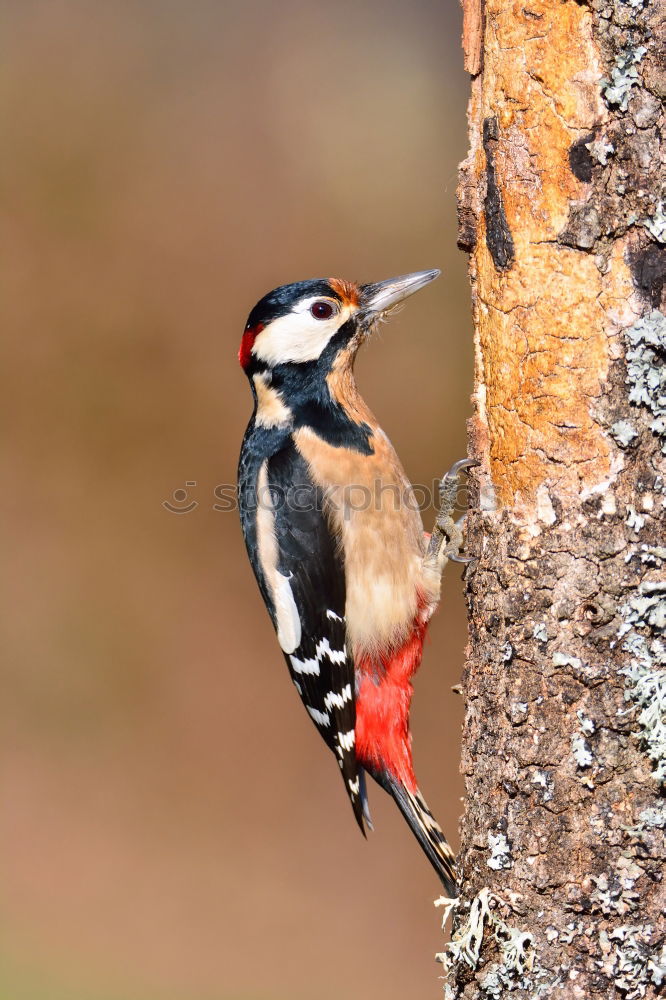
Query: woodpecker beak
pixel 383 295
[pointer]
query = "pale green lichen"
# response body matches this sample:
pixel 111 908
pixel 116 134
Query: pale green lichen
pixel 657 966
pixel 545 780
pixel 634 521
pixel 631 961
pixel 517 971
pixel 649 555
pixel 465 944
pixel 656 224
pixel 644 622
pixel 449 905
pixel 600 150
pixel 572 930
pixel 507 652
pixel 582 752
pixel 648 689
pixel 646 371
pixel 517 968
pixel 624 75
pixel 518 712
pixel 500 852
pixel 588 726
pixel 650 819
pixel 562 660
pixel 580 747
pixel 615 892
pixel 654 816
pixel 623 433
pixel 540 632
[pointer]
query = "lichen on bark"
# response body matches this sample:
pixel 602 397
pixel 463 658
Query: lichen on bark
pixel 561 204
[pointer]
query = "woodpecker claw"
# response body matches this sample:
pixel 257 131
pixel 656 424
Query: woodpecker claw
pixel 462 463
pixel 445 526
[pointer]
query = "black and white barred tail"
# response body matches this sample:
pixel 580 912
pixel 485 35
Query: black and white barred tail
pixel 427 831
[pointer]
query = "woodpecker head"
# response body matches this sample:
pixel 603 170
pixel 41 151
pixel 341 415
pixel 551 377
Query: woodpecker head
pixel 319 323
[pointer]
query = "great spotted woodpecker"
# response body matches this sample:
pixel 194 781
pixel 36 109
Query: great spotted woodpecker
pixel 336 542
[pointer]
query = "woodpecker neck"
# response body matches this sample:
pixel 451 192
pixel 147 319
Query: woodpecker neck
pixel 320 395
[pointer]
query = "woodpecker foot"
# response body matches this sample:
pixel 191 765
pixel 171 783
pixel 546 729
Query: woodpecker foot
pixel 456 543
pixel 445 526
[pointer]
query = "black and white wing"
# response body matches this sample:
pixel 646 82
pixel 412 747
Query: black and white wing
pixel 304 576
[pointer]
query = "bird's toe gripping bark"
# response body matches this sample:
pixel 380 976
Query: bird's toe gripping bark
pixel 446 528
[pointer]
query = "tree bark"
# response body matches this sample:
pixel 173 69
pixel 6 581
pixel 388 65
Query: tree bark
pixel 561 205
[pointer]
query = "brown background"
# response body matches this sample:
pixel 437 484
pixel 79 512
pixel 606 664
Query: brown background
pixel 172 828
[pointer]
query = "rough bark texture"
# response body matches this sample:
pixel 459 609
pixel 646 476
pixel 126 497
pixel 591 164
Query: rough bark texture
pixel 564 752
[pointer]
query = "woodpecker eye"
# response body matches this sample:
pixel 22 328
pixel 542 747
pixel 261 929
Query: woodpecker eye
pixel 321 310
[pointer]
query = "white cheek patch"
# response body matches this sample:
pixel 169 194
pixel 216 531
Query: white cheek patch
pixel 298 336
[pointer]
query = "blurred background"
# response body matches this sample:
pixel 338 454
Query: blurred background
pixel 172 827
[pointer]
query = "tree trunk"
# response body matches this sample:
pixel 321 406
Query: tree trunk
pixel 564 744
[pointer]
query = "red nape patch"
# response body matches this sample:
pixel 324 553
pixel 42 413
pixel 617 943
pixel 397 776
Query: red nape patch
pixel 383 740
pixel 250 334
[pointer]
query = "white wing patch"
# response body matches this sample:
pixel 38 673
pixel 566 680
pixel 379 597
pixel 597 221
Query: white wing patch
pixel 288 622
pixel 334 655
pixel 311 666
pixel 333 699
pixel 354 786
pixel 305 666
pixel 333 617
pixel 321 718
pixel 346 740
